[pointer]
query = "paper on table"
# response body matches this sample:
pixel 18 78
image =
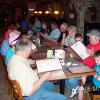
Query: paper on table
pixel 80 49
pixel 60 53
pixel 80 69
pixel 48 65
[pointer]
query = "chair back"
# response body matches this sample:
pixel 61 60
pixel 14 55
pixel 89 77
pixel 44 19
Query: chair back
pixel 17 93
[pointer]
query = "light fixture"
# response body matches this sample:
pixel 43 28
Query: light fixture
pixel 35 12
pixel 47 12
pixel 56 12
pixel 40 12
pixel 31 9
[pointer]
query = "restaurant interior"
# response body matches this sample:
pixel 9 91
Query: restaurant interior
pixel 36 21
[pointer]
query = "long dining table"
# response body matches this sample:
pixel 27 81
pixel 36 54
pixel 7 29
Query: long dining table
pixel 64 73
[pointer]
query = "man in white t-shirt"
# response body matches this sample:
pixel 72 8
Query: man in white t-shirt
pixel 32 87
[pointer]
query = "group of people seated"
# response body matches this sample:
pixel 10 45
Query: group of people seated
pixel 16 49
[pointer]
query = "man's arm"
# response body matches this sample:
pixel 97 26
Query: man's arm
pixel 48 37
pixel 38 84
pixel 90 52
pixel 28 78
pixel 43 35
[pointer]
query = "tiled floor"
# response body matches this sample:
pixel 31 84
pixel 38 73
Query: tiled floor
pixel 4 93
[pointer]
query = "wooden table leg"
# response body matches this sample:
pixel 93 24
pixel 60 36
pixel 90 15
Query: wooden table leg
pixel 62 86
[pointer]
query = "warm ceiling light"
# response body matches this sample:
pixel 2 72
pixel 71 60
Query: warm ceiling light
pixel 47 12
pixel 30 9
pixel 35 12
pixel 56 12
pixel 40 12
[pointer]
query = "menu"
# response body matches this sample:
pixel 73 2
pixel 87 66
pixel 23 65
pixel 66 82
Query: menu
pixel 48 65
pixel 83 69
pixel 80 50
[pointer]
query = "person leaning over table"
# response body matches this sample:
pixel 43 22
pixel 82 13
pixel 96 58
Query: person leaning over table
pixel 55 33
pixel 45 31
pixel 32 87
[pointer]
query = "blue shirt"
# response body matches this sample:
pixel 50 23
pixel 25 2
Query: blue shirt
pixel 38 26
pixel 55 34
pixel 9 54
pixel 24 24
pixel 4 47
pixel 72 40
pixel 95 80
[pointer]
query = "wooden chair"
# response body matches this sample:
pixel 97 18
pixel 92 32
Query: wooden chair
pixel 94 96
pixel 6 74
pixel 16 90
pixel 13 86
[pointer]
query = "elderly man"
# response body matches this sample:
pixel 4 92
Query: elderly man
pixel 92 48
pixel 32 87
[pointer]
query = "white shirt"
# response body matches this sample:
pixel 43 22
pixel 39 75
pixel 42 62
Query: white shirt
pixel 19 69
